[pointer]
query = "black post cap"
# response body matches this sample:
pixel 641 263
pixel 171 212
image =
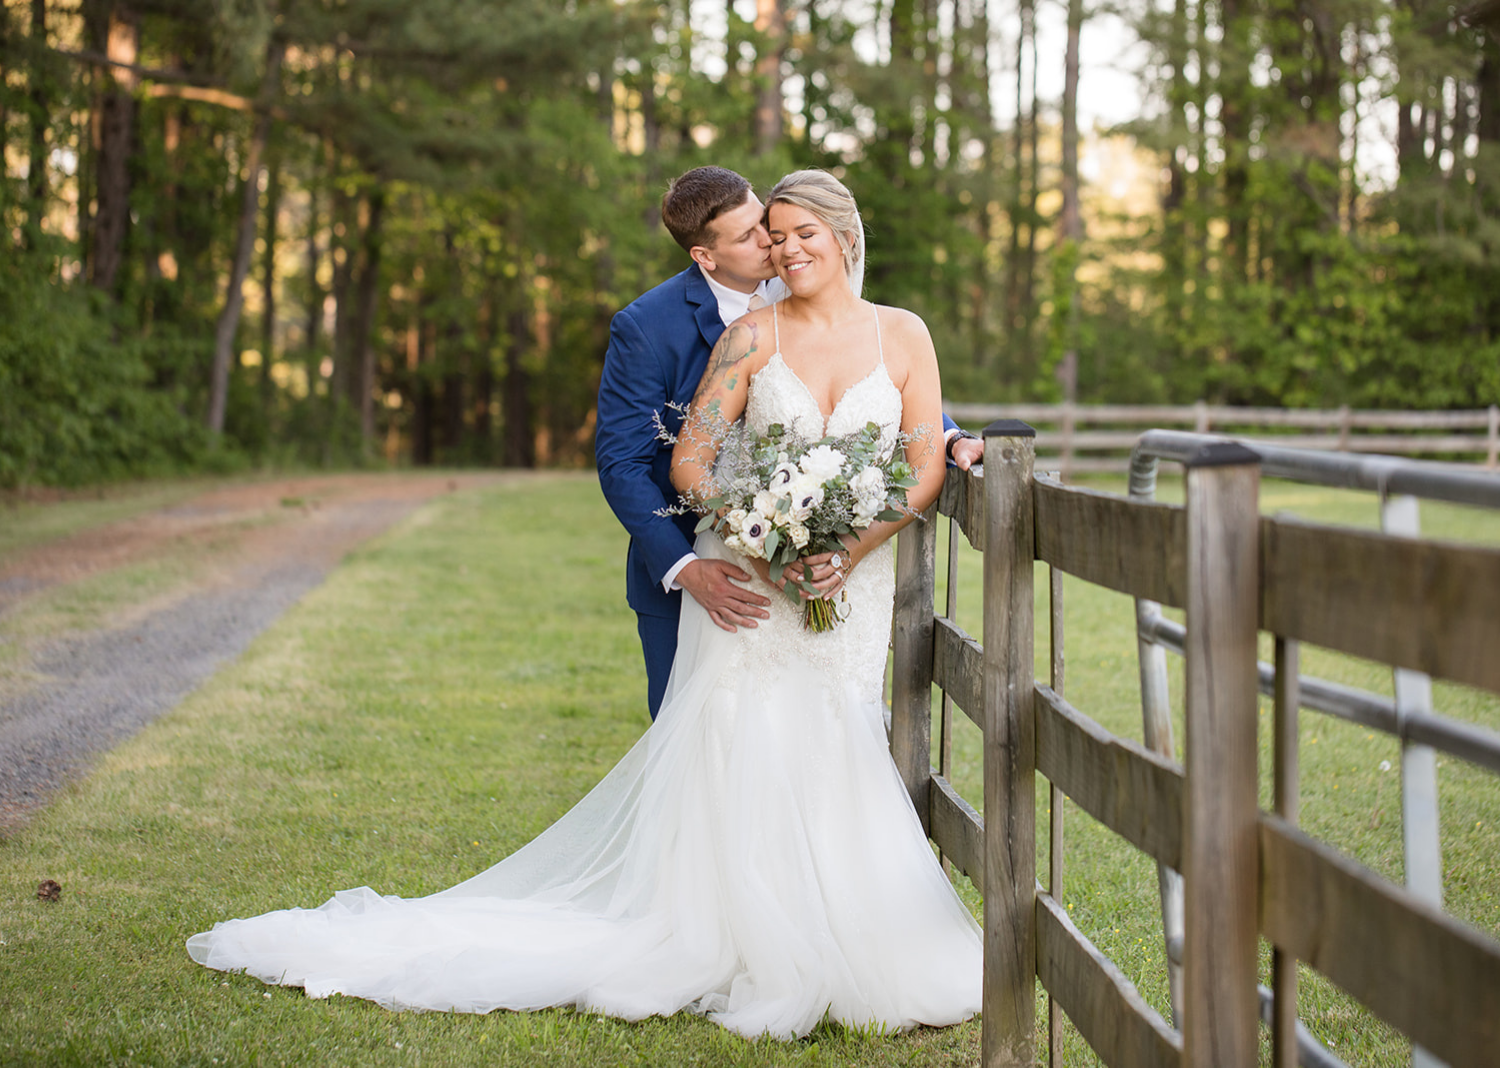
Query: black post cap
pixel 1009 428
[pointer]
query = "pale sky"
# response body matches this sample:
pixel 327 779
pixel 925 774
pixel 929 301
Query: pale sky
pixel 1109 84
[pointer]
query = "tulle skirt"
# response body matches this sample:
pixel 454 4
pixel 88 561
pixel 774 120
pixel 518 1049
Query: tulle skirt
pixel 754 858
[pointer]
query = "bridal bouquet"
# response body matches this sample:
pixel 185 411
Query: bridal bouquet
pixel 779 497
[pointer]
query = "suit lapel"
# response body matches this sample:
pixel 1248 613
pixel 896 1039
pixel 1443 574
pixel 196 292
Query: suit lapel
pixel 710 325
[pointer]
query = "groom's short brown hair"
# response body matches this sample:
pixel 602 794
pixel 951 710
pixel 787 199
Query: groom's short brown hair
pixel 696 199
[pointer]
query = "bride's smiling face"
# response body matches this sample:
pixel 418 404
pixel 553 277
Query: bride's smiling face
pixel 804 249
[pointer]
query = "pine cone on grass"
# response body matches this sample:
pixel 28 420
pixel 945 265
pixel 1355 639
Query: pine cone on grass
pixel 49 890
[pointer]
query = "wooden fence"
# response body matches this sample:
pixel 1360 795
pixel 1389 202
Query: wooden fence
pixel 1083 438
pixel 1421 606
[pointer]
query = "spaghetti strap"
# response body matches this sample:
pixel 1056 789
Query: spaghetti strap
pixel 879 341
pixel 776 326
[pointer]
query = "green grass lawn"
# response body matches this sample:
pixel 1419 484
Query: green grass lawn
pixel 454 687
pixel 451 690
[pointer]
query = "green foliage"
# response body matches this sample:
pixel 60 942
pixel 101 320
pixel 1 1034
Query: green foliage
pixel 75 405
pixel 517 151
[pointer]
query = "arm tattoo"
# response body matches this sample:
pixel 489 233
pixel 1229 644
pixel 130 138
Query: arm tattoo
pixel 736 344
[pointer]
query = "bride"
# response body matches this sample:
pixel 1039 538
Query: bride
pixel 754 857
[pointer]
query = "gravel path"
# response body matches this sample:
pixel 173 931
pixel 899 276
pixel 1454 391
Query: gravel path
pixel 100 687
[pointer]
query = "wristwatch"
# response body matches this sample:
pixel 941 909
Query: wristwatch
pixel 948 449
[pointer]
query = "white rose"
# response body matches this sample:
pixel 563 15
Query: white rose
pixel 807 494
pixel 822 463
pixel 799 535
pixel 868 485
pixel 765 502
pixel 733 542
pixel 736 520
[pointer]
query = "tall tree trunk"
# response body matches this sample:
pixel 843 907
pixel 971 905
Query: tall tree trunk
pixel 421 385
pixel 1070 222
pixel 234 298
pixel 484 395
pixel 770 20
pixel 1234 83
pixel 36 166
pixel 454 404
pixel 1488 85
pixel 343 222
pixel 169 228
pixel 314 288
pixel 268 283
pixel 1174 240
pixel 7 48
pixel 1072 219
pixel 1487 131
pixel 364 331
pixel 1017 267
pixel 983 129
pixel 520 441
pixel 115 134
pixel 1033 189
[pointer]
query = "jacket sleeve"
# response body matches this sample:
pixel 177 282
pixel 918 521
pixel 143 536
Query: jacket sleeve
pixel 634 387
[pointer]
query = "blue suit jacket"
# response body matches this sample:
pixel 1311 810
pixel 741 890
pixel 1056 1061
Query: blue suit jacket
pixel 658 347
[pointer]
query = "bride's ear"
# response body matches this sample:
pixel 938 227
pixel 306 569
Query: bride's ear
pixel 851 257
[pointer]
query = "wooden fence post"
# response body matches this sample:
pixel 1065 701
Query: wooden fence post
pixel 1220 858
pixel 1009 749
pixel 911 671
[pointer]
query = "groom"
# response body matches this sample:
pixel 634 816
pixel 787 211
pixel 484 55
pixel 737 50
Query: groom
pixel 658 347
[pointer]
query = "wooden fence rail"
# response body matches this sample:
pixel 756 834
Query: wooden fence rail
pixel 1065 441
pixel 1244 874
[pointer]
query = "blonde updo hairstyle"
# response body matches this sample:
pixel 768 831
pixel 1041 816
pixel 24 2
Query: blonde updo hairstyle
pixel 826 197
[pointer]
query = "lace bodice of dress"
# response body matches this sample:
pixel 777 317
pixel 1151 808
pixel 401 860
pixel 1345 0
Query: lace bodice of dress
pixel 853 653
pixel 777 395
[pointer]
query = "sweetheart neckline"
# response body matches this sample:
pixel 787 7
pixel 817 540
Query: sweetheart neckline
pixel 809 393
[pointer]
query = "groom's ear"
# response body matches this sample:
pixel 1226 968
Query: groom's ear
pixel 703 257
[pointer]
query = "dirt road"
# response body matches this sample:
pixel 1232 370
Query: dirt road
pixel 256 548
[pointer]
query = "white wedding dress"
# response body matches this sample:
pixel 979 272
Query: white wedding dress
pixel 754 857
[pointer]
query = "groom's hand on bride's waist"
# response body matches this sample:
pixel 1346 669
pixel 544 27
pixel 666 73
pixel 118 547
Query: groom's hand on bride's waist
pixel 713 584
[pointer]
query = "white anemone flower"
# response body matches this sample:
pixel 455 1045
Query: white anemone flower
pixel 782 476
pixel 754 534
pixel 807 494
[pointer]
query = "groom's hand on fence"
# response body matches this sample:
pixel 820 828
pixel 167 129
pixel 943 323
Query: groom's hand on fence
pixel 967 452
pixel 712 583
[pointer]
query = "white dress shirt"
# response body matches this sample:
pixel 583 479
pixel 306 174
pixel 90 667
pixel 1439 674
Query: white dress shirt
pixel 733 303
